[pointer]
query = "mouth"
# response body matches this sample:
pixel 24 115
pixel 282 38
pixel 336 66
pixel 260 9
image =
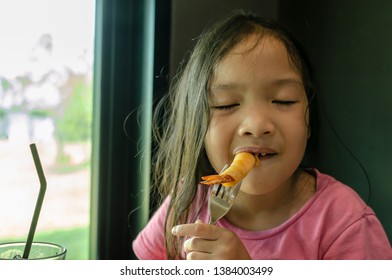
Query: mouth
pixel 264 156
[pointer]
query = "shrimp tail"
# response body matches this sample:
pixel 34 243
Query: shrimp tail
pixel 216 179
pixel 239 168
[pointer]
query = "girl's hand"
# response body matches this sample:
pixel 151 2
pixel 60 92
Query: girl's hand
pixel 209 242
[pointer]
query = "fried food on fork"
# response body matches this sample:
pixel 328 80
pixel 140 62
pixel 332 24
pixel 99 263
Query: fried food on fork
pixel 240 167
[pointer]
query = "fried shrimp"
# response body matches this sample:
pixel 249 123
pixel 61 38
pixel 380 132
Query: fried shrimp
pixel 239 168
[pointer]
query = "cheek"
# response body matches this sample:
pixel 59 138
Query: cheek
pixel 297 132
pixel 216 142
pixel 299 136
pixel 301 125
pixel 212 135
pixel 209 140
pixel 307 117
pixel 210 148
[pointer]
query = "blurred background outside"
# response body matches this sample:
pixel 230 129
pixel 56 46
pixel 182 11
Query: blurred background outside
pixel 46 60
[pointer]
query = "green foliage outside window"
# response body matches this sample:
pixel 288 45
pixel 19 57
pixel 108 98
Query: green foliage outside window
pixel 74 125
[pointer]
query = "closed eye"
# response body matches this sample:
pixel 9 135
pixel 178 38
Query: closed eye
pixel 284 102
pixel 225 107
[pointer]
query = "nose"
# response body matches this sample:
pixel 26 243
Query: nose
pixel 256 121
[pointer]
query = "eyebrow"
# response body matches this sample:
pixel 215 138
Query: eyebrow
pixel 238 86
pixel 230 86
pixel 281 82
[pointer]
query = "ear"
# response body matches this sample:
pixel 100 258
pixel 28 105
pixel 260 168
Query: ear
pixel 309 133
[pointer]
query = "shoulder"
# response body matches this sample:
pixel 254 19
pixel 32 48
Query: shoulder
pixel 350 227
pixel 334 206
pixel 150 242
pixel 337 195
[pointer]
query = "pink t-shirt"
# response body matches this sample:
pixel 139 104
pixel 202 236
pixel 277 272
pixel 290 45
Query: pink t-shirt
pixel 334 224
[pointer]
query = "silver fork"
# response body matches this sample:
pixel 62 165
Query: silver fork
pixel 221 200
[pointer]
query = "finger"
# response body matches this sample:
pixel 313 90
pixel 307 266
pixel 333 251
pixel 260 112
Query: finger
pixel 198 256
pixel 199 245
pixel 205 231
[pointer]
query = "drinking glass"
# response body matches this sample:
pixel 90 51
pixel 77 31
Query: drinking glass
pixel 38 251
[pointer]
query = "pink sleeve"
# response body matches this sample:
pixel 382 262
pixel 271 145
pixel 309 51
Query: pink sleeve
pixel 365 239
pixel 150 242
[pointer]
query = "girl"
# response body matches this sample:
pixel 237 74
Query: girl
pixel 247 87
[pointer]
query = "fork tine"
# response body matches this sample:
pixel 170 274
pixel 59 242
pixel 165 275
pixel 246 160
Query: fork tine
pixel 227 191
pixel 224 168
pixel 221 191
pixel 236 188
pixel 221 200
pixel 234 191
pixel 215 189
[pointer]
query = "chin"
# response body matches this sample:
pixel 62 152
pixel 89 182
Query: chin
pixel 253 189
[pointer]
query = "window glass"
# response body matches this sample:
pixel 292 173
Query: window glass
pixel 46 62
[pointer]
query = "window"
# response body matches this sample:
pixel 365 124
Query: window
pixel 46 62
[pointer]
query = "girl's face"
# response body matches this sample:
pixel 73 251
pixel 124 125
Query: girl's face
pixel 258 104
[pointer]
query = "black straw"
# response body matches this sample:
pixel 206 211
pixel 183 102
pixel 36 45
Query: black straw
pixel 40 199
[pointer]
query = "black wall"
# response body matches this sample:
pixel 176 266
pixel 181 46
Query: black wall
pixel 189 18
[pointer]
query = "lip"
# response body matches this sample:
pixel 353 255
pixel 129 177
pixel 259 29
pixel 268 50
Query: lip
pixel 256 150
pixel 261 152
